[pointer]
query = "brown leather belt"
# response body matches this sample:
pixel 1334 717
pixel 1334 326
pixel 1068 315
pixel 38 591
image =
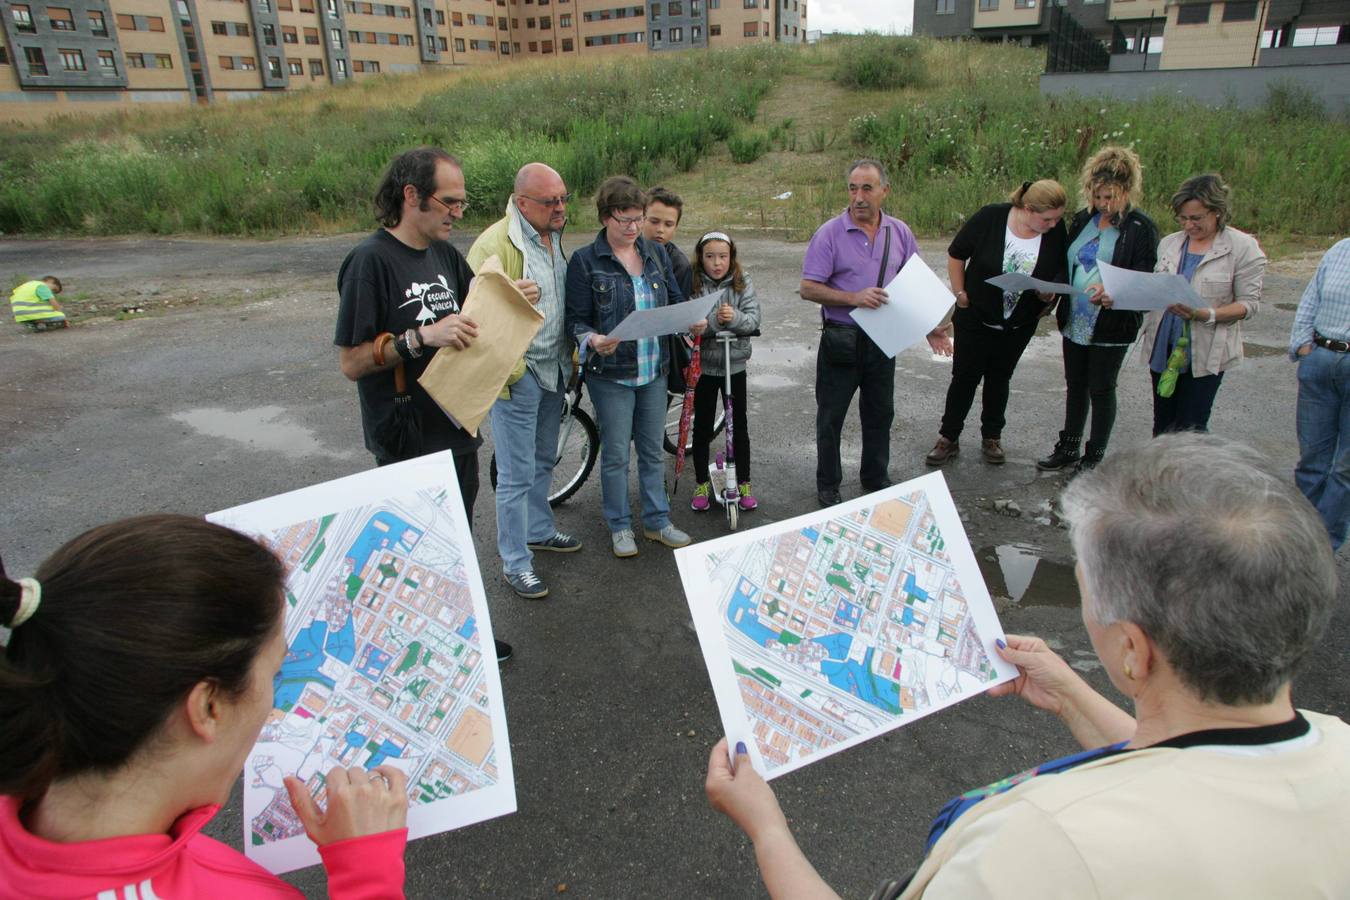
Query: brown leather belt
pixel 1331 343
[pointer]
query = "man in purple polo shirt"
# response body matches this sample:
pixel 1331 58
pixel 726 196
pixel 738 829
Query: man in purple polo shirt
pixel 848 260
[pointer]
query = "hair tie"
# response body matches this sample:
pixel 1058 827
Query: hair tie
pixel 30 595
pixel 714 236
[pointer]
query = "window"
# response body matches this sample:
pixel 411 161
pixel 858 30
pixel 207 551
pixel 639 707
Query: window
pixel 335 37
pixel 675 8
pixel 289 35
pixel 696 33
pixel 567 45
pixel 226 62
pixel 548 46
pixel 534 46
pixel 307 6
pixel 751 29
pixel 72 60
pixel 248 64
pixel 285 4
pixel 60 19
pixel 219 28
pixel 440 17
pixel 163 61
pixel 1024 4
pixel 23 19
pixel 443 44
pixel 676 35
pixel 1193 14
pixel 269 34
pixel 265 5
pixel 546 23
pixel 565 20
pixel 656 10
pixel 1239 11
pixel 312 36
pixel 459 45
pixel 273 67
pixel 751 4
pixel 354 37
pixel 295 67
pixel 515 23
pixel 340 68
pixel 945 7
pixel 315 68
pixel 714 4
pixel 695 7
pixel 154 23
pixel 656 35
pixel 501 23
pixel 405 40
pixel 714 31
pixel 1323 36
pixel 529 23
pixel 136 60
pixel 107 63
pixel 124 22
pixel 37 63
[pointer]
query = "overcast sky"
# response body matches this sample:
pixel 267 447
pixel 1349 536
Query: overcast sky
pixel 860 15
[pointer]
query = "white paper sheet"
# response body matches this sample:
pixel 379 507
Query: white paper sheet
pixel 828 629
pixel 1143 291
pixel 1020 281
pixel 672 319
pixel 917 301
pixel 391 653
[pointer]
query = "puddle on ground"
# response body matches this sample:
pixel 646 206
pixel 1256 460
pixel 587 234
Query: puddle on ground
pixel 784 355
pixel 1020 573
pixel 770 381
pixel 1258 350
pixel 262 428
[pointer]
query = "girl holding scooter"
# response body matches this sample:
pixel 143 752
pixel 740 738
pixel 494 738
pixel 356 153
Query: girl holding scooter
pixel 716 268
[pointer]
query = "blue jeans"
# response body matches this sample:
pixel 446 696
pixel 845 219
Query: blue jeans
pixel 525 438
pixel 637 415
pixel 1323 472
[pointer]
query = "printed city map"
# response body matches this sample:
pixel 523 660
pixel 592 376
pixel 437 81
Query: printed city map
pixel 390 658
pixel 828 629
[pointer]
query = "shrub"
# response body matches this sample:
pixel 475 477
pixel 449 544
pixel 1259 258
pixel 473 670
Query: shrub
pixel 875 62
pixel 748 146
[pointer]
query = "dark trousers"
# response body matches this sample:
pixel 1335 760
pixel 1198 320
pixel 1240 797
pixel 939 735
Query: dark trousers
pixel 1090 379
pixel 1189 406
pixel 706 394
pixel 987 354
pixel 849 362
pixel 466 473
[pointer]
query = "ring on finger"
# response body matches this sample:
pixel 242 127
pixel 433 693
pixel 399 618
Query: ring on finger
pixel 379 776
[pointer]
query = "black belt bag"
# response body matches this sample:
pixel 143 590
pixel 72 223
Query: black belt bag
pixel 839 343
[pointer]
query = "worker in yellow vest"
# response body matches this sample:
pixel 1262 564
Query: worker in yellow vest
pixel 35 307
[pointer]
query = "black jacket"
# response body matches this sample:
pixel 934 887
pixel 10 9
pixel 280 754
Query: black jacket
pixel 1137 249
pixel 980 244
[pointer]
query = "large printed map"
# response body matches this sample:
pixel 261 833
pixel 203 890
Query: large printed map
pixel 385 664
pixel 842 625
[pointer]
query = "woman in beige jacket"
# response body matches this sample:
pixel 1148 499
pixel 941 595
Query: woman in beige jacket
pixel 1226 267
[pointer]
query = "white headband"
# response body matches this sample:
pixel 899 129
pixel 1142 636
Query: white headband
pixel 30 595
pixel 714 236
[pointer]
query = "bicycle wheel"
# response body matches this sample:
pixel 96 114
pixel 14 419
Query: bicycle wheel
pixel 578 446
pixel 674 405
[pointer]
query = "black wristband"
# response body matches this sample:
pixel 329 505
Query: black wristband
pixel 401 345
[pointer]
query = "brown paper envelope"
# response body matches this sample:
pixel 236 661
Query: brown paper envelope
pixel 465 383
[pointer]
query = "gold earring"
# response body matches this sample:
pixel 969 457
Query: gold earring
pixel 1129 673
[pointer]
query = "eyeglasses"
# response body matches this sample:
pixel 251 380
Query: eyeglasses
pixel 627 222
pixel 550 201
pixel 460 204
pixel 1193 220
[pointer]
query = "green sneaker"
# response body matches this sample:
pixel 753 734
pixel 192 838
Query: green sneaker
pixel 702 498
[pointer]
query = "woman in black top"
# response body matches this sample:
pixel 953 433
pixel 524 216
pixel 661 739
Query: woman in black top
pixel 993 327
pixel 1097 337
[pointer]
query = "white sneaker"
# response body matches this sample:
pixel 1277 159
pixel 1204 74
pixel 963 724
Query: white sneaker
pixel 670 536
pixel 624 545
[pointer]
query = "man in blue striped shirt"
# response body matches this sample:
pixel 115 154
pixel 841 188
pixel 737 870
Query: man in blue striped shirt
pixel 1320 342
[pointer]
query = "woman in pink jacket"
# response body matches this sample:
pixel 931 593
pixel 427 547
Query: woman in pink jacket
pixel 137 676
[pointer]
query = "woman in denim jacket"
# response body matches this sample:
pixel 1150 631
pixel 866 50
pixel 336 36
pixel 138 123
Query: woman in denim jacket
pixel 606 280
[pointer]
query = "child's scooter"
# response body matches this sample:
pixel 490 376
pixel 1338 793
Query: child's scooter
pixel 723 474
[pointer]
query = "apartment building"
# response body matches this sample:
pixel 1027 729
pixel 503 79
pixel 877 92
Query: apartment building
pixel 91 55
pixel 1159 34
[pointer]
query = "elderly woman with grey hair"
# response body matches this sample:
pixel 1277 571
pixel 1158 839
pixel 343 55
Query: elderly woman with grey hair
pixel 1206 579
pixel 1188 348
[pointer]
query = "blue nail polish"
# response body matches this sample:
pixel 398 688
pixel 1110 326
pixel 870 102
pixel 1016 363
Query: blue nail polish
pixel 1001 645
pixel 740 748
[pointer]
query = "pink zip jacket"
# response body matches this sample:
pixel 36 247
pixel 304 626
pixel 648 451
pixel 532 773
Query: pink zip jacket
pixel 183 863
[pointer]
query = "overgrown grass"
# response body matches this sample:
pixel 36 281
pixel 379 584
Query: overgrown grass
pixel 298 162
pixel 875 63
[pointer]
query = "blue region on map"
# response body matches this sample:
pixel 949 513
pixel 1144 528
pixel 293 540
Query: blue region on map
pixel 373 662
pixel 372 538
pixel 741 613
pixel 857 679
pixel 468 628
pixel 384 751
pixel 301 665
pixel 916 593
pixel 341 644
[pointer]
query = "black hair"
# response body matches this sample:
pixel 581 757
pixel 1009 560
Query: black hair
pixel 669 198
pixel 133 615
pixel 412 167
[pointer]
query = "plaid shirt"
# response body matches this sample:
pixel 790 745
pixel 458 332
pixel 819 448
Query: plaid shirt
pixel 1326 301
pixel 648 349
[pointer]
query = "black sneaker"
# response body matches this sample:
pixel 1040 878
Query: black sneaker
pixel 558 543
pixel 503 650
pixel 526 584
pixel 828 497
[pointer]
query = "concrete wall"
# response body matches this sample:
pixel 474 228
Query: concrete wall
pixel 1247 87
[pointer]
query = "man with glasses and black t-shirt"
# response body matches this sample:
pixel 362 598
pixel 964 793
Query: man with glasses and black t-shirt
pixel 401 295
